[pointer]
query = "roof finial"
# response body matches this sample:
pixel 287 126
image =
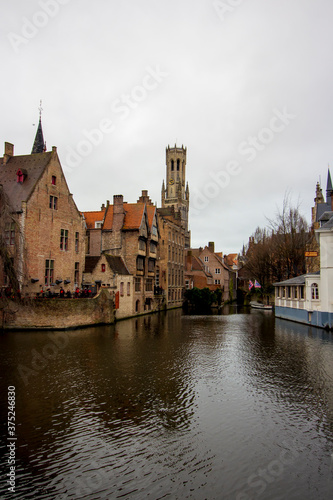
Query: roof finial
pixel 40 109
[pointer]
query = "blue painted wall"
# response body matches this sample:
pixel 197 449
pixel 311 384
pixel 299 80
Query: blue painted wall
pixel 316 318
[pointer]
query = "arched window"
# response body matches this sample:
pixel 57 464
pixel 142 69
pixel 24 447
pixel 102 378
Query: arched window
pixel 178 163
pixel 172 165
pixel 314 291
pixel 137 306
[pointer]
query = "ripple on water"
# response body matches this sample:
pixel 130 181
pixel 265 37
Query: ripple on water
pixel 177 407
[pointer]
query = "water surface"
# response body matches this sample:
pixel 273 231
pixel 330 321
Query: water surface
pixel 237 406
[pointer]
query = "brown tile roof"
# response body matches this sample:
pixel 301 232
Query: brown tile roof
pixel 117 264
pixel 34 165
pixel 196 264
pixel 92 217
pixel 90 263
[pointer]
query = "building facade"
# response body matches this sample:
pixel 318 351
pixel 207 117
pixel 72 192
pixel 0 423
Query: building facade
pixel 207 268
pixel 318 216
pixel 130 231
pixel 308 298
pixel 45 235
pixel 171 256
pixel 110 273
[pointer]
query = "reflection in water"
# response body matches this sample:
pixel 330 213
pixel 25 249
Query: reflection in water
pixel 236 405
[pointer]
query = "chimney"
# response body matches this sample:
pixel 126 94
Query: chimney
pixel 211 246
pixel 103 206
pixel 118 212
pixel 9 152
pixel 189 260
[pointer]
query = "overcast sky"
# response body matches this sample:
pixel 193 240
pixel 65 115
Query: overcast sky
pixel 246 86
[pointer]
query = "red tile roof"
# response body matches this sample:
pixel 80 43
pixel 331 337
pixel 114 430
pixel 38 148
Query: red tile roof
pixel 92 217
pixel 108 220
pixel 231 259
pixel 151 211
pixel 133 216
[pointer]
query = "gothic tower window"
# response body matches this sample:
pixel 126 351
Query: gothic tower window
pixel 178 163
pixel 172 166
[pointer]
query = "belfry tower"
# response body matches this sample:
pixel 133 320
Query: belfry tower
pixel 175 193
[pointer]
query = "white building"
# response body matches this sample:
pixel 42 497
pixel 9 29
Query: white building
pixel 309 298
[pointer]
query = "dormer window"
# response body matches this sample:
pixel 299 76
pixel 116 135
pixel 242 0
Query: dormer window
pixel 53 180
pixel 21 175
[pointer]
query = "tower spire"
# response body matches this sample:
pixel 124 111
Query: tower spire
pixel 39 145
pixel 329 180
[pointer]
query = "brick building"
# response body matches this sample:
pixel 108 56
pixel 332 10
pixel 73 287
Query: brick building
pixel 45 233
pixel 171 255
pixel 110 272
pixel 129 230
pixel 207 268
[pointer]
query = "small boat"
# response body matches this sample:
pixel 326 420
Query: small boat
pixel 258 305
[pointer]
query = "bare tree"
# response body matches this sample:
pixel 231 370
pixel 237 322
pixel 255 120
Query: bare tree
pixel 9 228
pixel 290 235
pixel 258 257
pixel 278 252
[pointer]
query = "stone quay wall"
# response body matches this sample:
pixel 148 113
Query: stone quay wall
pixel 50 314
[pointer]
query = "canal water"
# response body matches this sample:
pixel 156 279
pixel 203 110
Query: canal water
pixel 233 406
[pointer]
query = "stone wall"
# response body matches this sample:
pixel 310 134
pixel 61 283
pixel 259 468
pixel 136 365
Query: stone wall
pixel 58 313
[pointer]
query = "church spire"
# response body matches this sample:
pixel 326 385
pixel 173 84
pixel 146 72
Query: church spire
pixel 329 190
pixel 329 181
pixel 39 144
